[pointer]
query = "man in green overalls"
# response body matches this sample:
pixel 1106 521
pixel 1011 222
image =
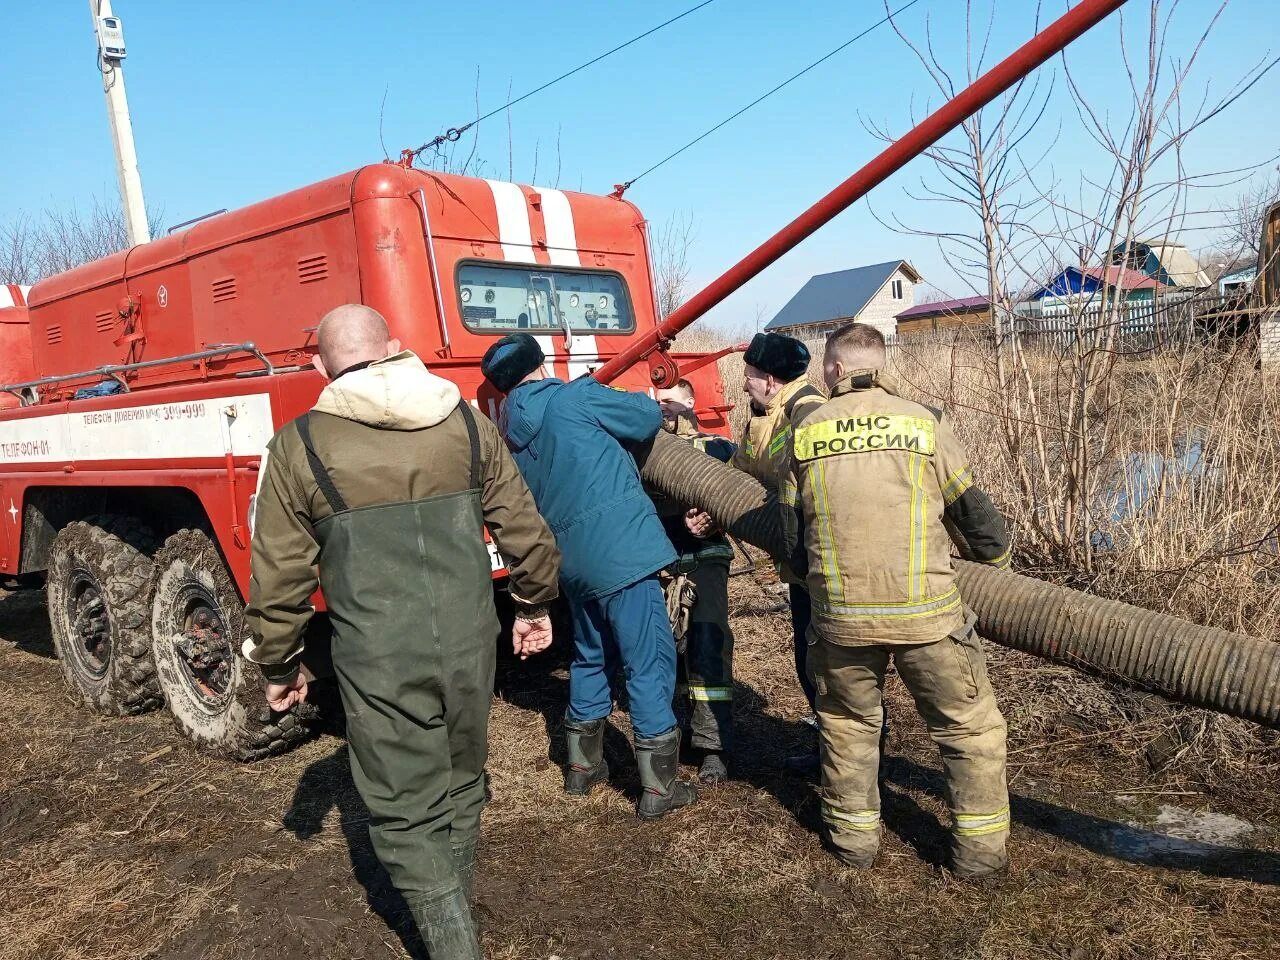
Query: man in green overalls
pixel 386 487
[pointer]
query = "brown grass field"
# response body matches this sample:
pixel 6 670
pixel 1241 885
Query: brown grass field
pixel 119 841
pixel 1141 831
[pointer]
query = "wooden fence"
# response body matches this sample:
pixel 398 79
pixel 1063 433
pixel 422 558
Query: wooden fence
pixel 1128 328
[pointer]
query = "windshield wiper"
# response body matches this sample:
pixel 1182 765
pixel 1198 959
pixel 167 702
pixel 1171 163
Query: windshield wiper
pixel 557 315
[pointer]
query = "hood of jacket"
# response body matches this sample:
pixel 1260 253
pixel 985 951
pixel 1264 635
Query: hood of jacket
pixel 396 393
pixel 525 410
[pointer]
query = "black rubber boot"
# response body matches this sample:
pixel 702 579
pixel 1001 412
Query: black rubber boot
pixel 804 765
pixel 660 792
pixel 464 864
pixel 587 766
pixel 446 927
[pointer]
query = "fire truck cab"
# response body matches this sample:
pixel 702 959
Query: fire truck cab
pixel 138 420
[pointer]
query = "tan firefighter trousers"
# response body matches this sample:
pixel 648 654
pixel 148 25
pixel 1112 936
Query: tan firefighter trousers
pixel 948 680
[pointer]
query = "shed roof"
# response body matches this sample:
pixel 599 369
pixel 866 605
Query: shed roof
pixel 833 296
pixel 941 307
pixel 1244 273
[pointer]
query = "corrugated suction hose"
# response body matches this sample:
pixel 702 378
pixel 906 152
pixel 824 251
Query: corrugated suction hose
pixel 1216 669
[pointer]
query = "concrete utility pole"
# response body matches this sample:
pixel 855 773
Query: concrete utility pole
pixel 135 210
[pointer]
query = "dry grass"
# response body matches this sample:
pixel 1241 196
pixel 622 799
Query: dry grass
pixel 113 847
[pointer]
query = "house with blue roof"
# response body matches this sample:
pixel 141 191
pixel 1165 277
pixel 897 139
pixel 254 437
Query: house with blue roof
pixel 873 294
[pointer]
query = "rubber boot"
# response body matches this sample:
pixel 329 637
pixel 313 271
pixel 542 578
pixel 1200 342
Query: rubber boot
pixel 587 765
pixel 804 765
pixel 713 768
pixel 976 858
pixel 660 792
pixel 446 927
pixel 856 859
pixel 464 864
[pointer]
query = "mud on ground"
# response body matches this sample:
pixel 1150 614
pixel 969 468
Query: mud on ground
pixel 1140 831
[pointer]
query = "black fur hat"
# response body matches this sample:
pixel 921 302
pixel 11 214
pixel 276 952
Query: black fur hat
pixel 510 360
pixel 784 357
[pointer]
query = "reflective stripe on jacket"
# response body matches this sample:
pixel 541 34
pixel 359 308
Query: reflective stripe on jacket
pixel 883 488
pixel 763 449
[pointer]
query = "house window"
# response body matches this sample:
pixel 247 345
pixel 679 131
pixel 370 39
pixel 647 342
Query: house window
pixel 896 287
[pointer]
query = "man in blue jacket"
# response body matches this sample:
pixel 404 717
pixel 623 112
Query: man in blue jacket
pixel 570 442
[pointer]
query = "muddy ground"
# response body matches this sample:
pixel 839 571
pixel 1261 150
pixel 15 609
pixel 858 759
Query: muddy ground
pixel 1140 831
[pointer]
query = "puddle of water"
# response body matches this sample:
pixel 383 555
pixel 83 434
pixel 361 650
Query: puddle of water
pixel 1178 835
pixel 1140 476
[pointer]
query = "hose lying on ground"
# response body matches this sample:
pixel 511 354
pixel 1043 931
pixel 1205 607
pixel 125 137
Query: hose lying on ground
pixel 1202 666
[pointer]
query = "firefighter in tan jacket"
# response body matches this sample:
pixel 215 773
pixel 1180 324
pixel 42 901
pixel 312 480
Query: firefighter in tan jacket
pixel 878 483
pixel 780 392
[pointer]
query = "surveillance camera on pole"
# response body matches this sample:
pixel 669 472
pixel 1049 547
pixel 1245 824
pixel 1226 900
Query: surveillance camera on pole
pixel 111 53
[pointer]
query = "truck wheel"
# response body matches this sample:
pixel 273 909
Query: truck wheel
pixel 197 626
pixel 100 582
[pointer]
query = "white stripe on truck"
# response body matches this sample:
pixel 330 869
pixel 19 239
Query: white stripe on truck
pixel 160 431
pixel 516 237
pixel 562 248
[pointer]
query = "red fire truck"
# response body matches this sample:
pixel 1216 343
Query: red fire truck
pixel 142 389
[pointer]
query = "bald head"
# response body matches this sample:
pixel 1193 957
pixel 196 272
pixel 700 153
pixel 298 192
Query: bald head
pixel 352 334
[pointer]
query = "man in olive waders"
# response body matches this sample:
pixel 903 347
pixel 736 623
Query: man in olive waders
pixel 571 443
pixel 386 486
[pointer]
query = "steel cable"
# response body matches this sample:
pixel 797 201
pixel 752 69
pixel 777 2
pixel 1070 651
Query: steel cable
pixel 621 188
pixel 453 133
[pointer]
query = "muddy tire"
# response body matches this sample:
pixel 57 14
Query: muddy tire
pixel 197 626
pixel 100 584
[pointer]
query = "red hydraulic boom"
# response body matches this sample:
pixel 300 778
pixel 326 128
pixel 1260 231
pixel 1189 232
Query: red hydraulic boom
pixel 1051 40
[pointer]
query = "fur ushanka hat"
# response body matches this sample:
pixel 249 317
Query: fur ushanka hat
pixel 510 360
pixel 781 356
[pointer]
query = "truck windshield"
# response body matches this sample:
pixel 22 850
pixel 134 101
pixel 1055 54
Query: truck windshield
pixel 506 298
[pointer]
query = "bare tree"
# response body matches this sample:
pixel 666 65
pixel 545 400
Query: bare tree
pixel 1243 230
pixel 1057 408
pixel 931 294
pixel 982 175
pixel 35 246
pixel 670 245
pixel 1220 260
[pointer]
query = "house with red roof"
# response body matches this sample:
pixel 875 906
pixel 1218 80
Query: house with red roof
pixel 1076 288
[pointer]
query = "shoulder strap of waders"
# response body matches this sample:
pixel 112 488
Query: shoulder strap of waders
pixel 473 434
pixel 802 394
pixel 318 470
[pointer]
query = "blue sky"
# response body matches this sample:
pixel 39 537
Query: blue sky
pixel 237 101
